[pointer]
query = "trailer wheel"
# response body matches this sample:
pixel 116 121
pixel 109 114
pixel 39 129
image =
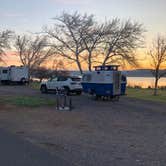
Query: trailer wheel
pixel 98 97
pixel 116 98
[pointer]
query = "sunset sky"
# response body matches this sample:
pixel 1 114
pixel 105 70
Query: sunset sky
pixel 30 15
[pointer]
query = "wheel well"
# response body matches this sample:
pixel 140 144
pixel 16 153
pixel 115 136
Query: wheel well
pixel 43 85
pixel 66 87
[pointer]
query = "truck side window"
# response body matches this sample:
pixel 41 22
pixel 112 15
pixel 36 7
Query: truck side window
pixel 4 71
pixel 53 79
pixel 62 78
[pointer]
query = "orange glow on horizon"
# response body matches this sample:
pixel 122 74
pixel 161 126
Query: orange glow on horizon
pixel 12 59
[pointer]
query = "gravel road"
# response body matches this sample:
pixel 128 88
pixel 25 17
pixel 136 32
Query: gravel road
pixel 96 133
pixel 18 152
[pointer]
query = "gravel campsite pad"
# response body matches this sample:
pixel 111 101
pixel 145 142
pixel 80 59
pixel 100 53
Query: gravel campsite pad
pixel 102 133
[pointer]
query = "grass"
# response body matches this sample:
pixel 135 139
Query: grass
pixel 146 94
pixel 35 85
pixel 28 101
pixel 137 92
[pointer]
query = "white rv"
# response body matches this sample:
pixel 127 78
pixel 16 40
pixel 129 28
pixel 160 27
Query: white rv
pixel 14 74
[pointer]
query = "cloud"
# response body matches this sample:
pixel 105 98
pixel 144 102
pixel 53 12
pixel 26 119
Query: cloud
pixel 10 14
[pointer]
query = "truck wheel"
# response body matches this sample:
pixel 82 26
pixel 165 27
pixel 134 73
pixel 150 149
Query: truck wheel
pixel 79 93
pixel 43 89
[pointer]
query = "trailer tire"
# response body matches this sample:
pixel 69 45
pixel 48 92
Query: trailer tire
pixel 116 98
pixel 98 97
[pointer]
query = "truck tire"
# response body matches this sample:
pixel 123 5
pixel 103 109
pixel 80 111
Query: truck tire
pixel 43 89
pixel 79 93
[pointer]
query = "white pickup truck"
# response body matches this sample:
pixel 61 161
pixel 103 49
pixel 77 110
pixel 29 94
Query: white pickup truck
pixel 70 84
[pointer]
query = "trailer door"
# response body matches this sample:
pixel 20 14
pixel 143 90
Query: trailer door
pixel 5 74
pixel 116 82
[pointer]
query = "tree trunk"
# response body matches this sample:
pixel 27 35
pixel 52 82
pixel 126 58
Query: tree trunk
pixel 41 79
pixel 30 73
pixel 104 63
pixel 90 61
pixel 105 60
pixel 156 86
pixel 79 66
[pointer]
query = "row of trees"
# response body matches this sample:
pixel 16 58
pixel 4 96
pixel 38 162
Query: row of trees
pixel 4 42
pixel 80 39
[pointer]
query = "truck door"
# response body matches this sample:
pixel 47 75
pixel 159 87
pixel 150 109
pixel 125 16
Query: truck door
pixel 62 82
pixel 52 83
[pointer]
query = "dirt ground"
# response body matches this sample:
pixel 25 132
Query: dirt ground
pixel 95 133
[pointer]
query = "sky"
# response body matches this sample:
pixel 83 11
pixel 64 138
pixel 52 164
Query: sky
pixel 31 15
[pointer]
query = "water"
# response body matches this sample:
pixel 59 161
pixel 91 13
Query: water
pixel 144 82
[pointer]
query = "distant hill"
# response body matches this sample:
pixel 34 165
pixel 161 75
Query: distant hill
pixel 130 73
pixel 141 73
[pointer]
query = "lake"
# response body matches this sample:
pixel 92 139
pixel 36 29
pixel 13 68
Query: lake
pixel 144 82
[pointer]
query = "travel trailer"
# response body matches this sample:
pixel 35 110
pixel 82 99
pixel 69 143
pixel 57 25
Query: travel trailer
pixel 105 81
pixel 14 74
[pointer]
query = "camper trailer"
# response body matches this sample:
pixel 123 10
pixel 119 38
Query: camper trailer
pixel 13 74
pixel 105 81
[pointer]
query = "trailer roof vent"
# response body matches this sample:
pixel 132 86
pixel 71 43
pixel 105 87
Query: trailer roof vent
pixel 107 68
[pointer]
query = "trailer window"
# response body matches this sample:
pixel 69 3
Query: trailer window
pixel 4 71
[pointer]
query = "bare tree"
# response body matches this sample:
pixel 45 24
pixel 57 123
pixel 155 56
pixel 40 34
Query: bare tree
pixel 33 51
pixel 158 56
pixel 67 33
pixel 4 42
pixel 80 38
pixel 41 73
pixel 46 73
pixel 58 64
pixel 121 40
pixel 92 35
